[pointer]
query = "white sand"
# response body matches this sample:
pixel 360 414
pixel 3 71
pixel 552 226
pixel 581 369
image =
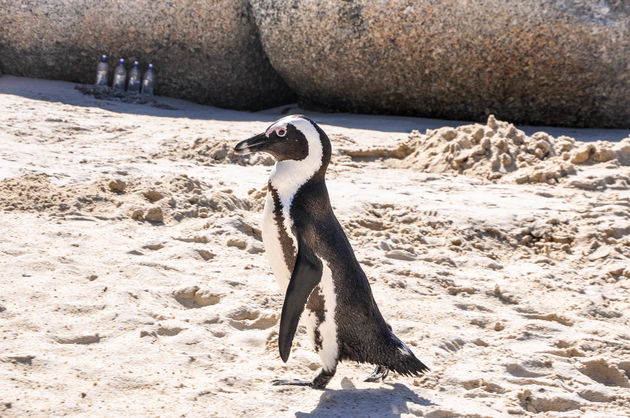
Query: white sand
pixel 517 296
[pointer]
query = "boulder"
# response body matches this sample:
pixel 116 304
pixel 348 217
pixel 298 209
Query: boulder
pixel 206 51
pixel 527 61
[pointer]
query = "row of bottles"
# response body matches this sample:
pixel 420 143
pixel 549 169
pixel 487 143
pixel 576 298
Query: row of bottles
pixel 120 77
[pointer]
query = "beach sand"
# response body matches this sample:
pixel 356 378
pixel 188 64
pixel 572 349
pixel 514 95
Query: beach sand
pixel 133 278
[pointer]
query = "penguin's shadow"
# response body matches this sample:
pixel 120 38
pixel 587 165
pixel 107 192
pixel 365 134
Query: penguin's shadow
pixel 386 402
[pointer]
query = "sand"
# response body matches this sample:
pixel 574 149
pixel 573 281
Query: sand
pixel 134 280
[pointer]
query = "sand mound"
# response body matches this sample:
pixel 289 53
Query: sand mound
pixel 207 151
pixel 35 192
pixel 159 201
pixel 498 150
pixel 404 233
pixel 602 151
pixel 179 197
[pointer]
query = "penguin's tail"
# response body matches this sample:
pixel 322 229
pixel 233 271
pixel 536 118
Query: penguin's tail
pixel 402 360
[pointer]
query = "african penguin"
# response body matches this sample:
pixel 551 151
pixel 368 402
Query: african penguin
pixel 313 261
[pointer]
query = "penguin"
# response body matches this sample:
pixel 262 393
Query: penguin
pixel 314 263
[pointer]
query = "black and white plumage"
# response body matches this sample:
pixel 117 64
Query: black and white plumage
pixel 313 261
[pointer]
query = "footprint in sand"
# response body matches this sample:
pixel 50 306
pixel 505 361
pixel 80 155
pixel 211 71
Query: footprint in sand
pixel 27 359
pixel 607 374
pixel 194 297
pixel 78 339
pixel 168 331
pixel 452 346
pixel 551 317
pixel 154 246
pixel 205 255
pixel 529 368
pixel 546 403
pixel 565 349
pixel 244 318
pixel 596 393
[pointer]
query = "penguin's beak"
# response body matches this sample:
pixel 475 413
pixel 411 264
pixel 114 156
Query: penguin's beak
pixel 253 144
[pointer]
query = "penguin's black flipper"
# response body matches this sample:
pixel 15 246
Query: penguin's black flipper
pixel 306 275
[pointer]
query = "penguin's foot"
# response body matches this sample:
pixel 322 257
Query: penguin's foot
pixel 323 378
pixel 379 373
pixel 319 382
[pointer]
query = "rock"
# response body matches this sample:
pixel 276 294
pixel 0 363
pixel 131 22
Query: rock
pixel 155 214
pixel 154 246
pixel 137 214
pixel 117 186
pixel 209 52
pixel 582 154
pixel 540 62
pixel 205 254
pixel 238 243
pixel 153 195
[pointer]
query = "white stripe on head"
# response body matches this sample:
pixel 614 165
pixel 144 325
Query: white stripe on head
pixel 289 175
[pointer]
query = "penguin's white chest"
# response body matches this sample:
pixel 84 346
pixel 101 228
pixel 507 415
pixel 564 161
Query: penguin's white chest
pixel 285 181
pixel 272 228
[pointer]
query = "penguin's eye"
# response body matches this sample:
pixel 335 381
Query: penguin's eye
pixel 281 132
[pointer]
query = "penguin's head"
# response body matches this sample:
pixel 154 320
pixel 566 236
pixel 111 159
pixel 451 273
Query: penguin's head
pixel 292 138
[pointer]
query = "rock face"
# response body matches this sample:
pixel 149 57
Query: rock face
pixel 529 61
pixel 207 51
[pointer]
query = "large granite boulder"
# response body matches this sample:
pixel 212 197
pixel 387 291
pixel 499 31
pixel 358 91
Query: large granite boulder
pixel 529 61
pixel 207 51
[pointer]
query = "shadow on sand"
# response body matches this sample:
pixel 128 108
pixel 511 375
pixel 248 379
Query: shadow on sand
pixel 64 92
pixel 381 402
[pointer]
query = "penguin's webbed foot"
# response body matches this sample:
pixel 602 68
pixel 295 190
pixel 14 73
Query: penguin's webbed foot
pixel 379 373
pixel 323 378
pixel 319 382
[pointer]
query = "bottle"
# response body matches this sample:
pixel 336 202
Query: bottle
pixel 120 76
pixel 101 72
pixel 147 81
pixel 134 79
